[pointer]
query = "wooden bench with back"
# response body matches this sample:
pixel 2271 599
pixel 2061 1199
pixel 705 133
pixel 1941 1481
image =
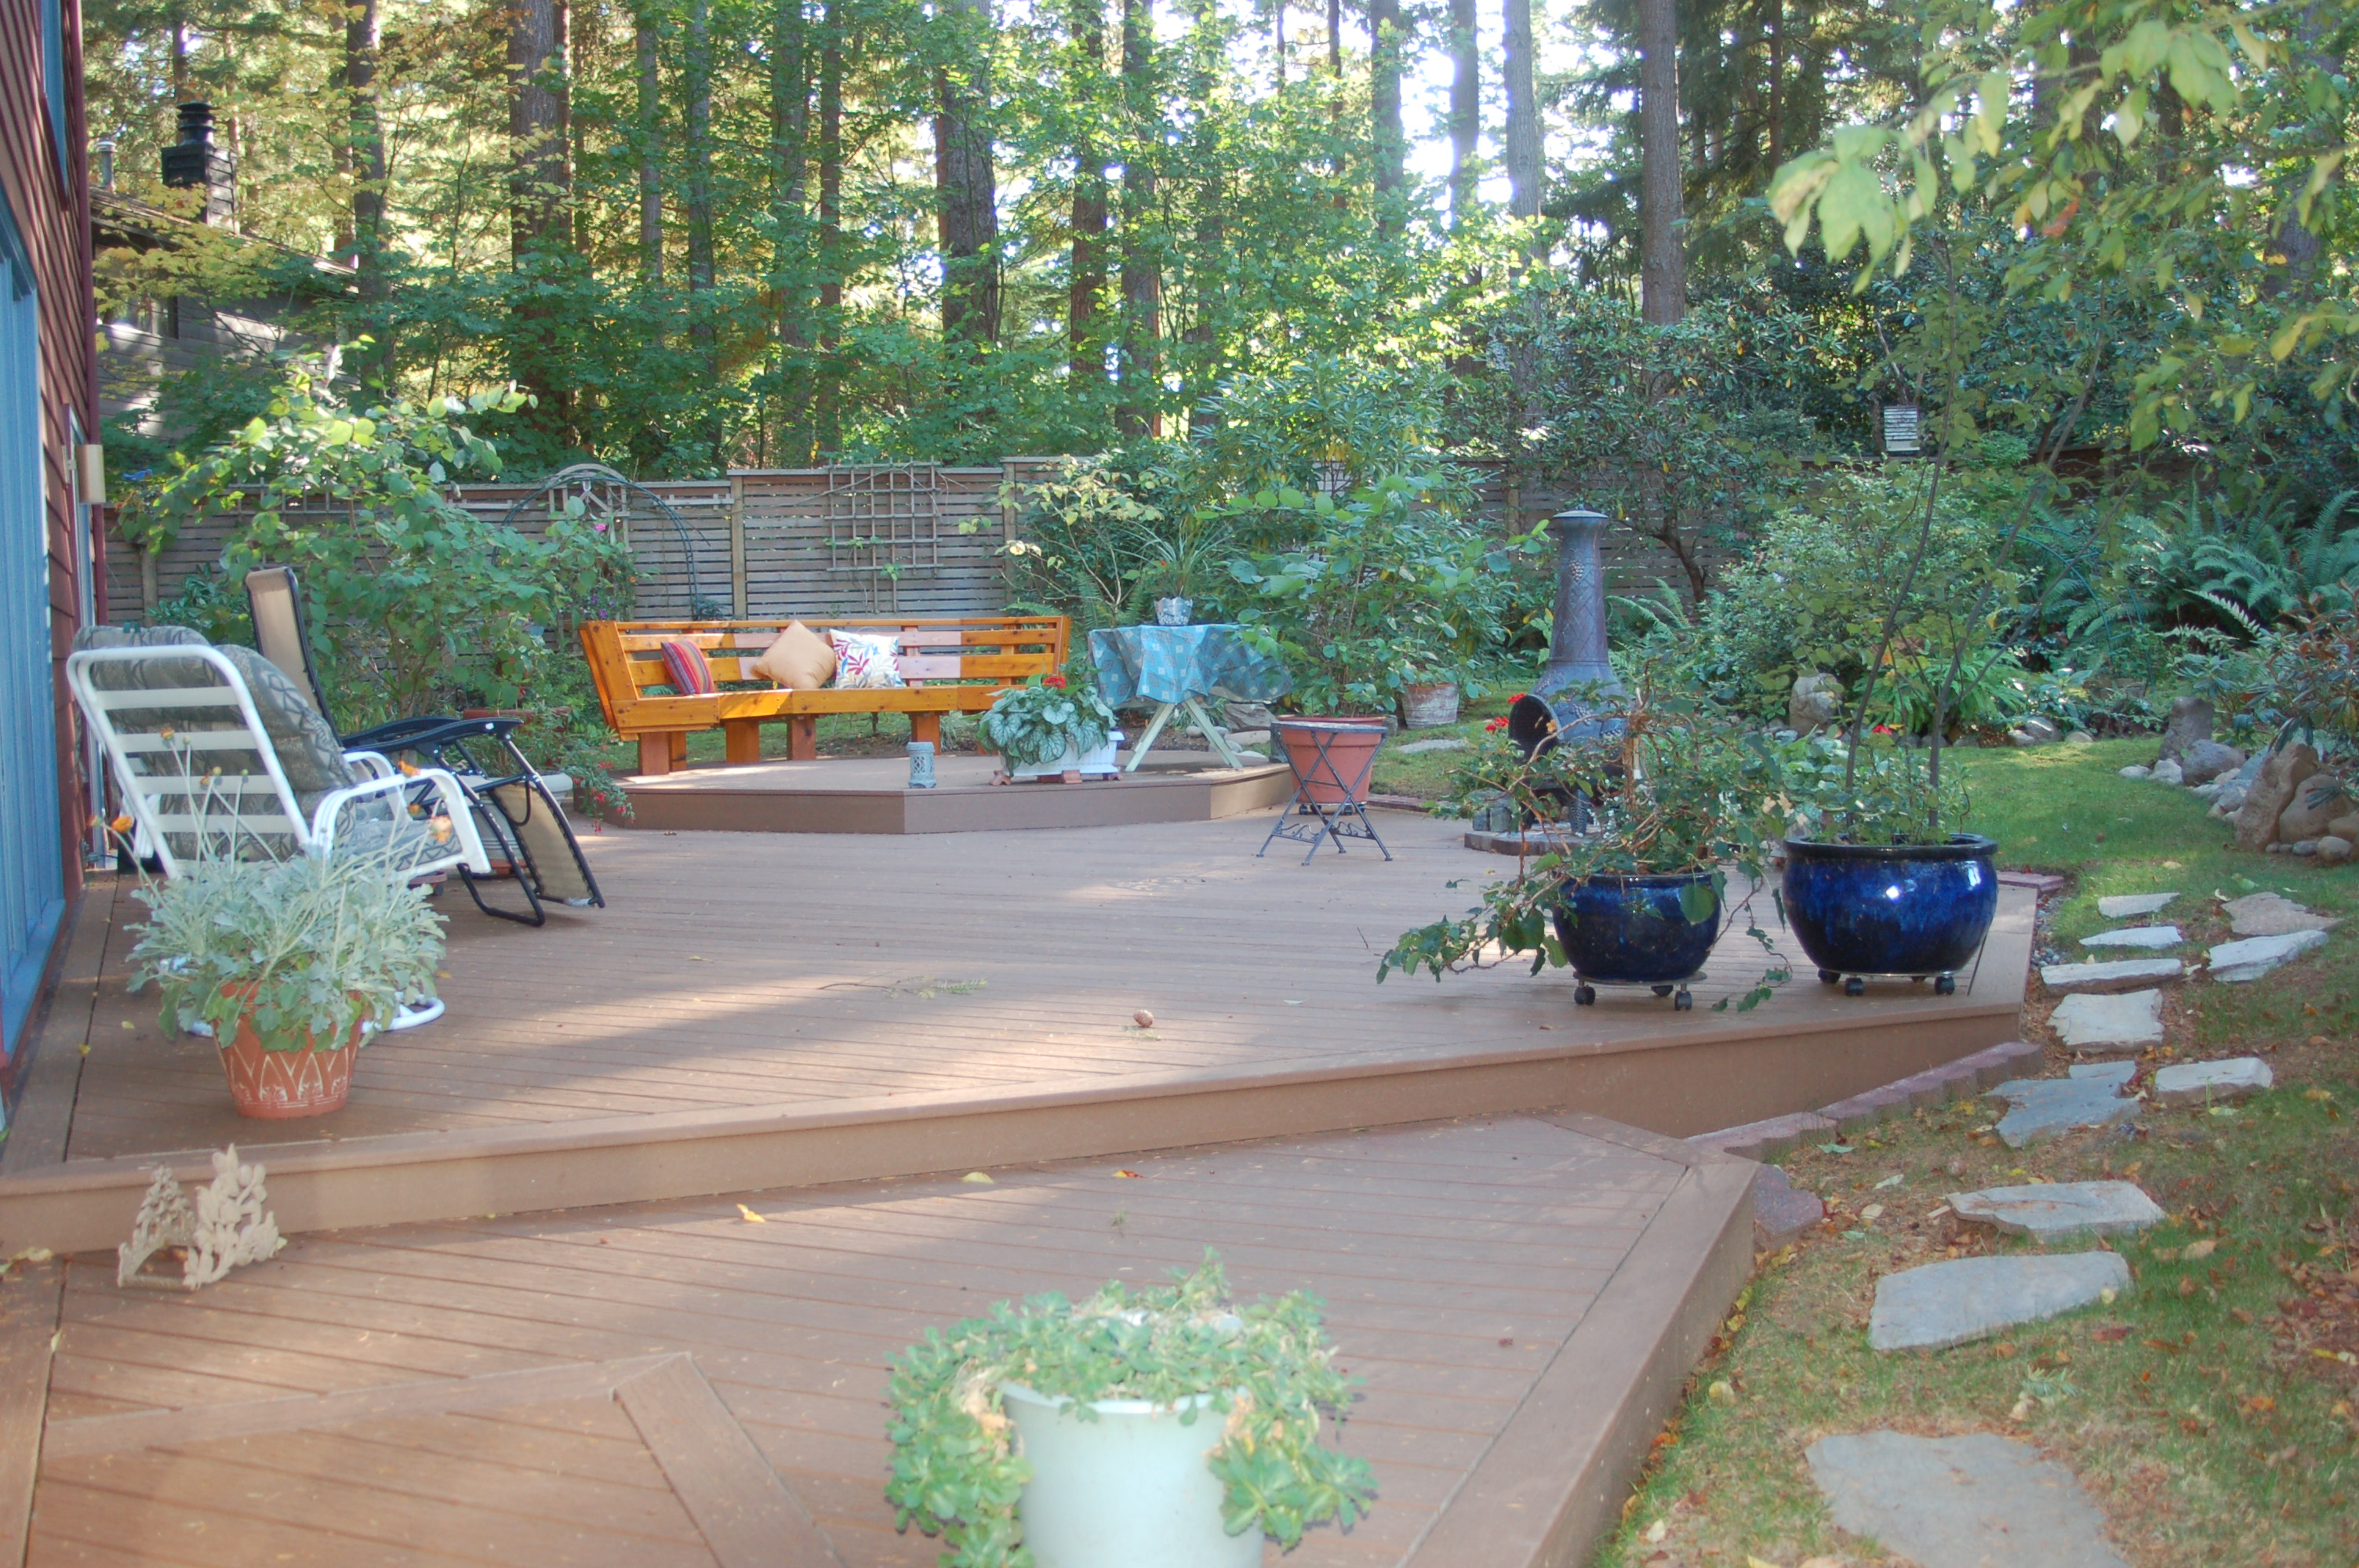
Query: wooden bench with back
pixel 953 665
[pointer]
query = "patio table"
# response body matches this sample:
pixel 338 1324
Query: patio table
pixel 1177 667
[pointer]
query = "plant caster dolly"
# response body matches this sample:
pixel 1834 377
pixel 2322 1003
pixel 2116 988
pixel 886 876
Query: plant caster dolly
pixel 1684 1001
pixel 1664 990
pixel 1828 977
pixel 1584 996
pixel 1945 985
pixel 1854 987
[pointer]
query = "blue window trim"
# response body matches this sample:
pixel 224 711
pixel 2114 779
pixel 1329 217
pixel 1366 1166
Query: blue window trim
pixel 53 72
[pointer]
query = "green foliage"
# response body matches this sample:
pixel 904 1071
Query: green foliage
pixel 414 599
pixel 309 946
pixel 1031 725
pixel 1879 792
pixel 1679 786
pixel 1268 1367
pixel 1392 585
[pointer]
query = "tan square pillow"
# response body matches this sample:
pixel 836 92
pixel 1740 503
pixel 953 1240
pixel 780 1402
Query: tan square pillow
pixel 800 660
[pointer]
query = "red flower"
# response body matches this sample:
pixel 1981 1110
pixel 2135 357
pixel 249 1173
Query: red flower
pixel 1886 729
pixel 1519 697
pixel 1057 681
pixel 1494 724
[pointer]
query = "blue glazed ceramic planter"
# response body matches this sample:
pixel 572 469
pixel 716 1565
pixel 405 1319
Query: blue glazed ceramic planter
pixel 1632 930
pixel 1891 909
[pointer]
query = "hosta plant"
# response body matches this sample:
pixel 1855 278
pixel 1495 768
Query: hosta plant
pixel 1267 1366
pixel 1031 725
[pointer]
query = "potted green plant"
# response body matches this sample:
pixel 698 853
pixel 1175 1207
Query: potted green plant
pixel 1050 726
pixel 1658 799
pixel 291 966
pixel 1162 1427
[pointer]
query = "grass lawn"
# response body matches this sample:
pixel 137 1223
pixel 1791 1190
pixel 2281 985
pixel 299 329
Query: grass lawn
pixel 2210 1413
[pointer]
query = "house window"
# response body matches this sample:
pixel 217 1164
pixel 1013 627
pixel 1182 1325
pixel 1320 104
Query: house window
pixel 53 57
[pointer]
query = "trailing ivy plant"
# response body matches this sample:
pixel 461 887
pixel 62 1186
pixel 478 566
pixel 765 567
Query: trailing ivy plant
pixel 1676 786
pixel 1031 725
pixel 1268 1367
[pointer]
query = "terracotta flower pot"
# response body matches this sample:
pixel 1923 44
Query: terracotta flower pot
pixel 280 1085
pixel 1352 743
pixel 1429 704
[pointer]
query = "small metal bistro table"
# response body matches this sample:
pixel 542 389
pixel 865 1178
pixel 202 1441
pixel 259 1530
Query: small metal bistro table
pixel 1346 818
pixel 1176 667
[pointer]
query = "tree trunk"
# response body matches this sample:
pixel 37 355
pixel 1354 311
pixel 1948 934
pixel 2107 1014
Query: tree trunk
pixel 829 405
pixel 1335 39
pixel 789 231
pixel 362 40
pixel 1087 273
pixel 1523 113
pixel 1206 292
pixel 1661 197
pixel 1465 110
pixel 1386 132
pixel 1142 269
pixel 539 182
pixel 650 135
pixel 697 57
pixel 964 184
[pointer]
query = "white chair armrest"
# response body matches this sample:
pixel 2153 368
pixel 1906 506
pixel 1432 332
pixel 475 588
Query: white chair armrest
pixel 466 844
pixel 372 764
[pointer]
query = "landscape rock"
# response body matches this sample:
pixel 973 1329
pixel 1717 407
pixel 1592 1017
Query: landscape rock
pixel 2052 1211
pixel 2302 846
pixel 1780 1213
pixel 1976 1501
pixel 2189 723
pixel 2127 905
pixel 2134 771
pixel 2317 801
pixel 2080 738
pixel 2273 914
pixel 2254 957
pixel 2118 1073
pixel 1420 748
pixel 1244 715
pixel 2041 1109
pixel 2216 1083
pixel 2136 937
pixel 2167 771
pixel 2115 975
pixel 2040 731
pixel 2271 793
pixel 1815 703
pixel 2345 828
pixel 2334 849
pixel 2229 801
pixel 2207 761
pixel 1938 1304
pixel 2109 1022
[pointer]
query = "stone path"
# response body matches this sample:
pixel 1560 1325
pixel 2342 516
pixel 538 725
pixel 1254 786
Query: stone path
pixel 1940 1305
pixel 2126 906
pixel 2091 1022
pixel 2052 1211
pixel 2273 914
pixel 2199 1083
pixel 2136 937
pixel 2254 957
pixel 1976 1501
pixel 2112 975
pixel 2040 1108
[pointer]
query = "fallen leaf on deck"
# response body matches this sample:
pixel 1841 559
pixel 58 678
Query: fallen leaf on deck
pixel 2259 1404
pixel 698 959
pixel 1873 1211
pixel 1893 1180
pixel 1656 1531
pixel 2195 1251
pixel 1134 1175
pixel 979 1178
pixel 751 1218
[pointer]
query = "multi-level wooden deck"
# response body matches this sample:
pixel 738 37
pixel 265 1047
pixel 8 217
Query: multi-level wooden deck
pixel 812 1025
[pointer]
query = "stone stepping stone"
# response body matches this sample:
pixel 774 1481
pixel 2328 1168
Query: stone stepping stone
pixel 1420 748
pixel 1780 1211
pixel 2052 1211
pixel 1977 1501
pixel 1938 1305
pixel 2118 1073
pixel 2040 1108
pixel 2128 905
pixel 2215 1083
pixel 2136 937
pixel 2254 957
pixel 2107 1022
pixel 2110 975
pixel 2273 914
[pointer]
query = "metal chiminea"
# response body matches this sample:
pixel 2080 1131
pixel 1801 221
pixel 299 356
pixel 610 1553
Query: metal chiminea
pixel 193 160
pixel 1558 703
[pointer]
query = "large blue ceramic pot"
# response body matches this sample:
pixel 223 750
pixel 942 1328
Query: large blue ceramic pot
pixel 1891 909
pixel 1635 930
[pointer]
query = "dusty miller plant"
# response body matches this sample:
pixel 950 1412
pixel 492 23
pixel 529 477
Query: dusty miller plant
pixel 1269 1367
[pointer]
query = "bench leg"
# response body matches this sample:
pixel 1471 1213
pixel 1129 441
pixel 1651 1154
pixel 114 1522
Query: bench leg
pixel 802 738
pixel 655 753
pixel 679 747
pixel 742 739
pixel 927 727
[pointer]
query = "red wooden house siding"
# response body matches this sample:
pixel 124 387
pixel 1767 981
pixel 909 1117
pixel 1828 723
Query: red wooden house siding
pixel 51 208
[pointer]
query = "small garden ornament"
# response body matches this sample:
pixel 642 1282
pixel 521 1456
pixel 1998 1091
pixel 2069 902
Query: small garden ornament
pixel 226 1227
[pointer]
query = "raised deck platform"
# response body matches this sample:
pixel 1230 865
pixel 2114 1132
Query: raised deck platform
pixel 754 1011
pixel 871 795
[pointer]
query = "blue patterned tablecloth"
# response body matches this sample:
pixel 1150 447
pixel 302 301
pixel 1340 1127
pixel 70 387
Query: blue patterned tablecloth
pixel 1171 664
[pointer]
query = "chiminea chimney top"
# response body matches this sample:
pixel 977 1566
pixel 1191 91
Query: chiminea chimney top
pixel 193 160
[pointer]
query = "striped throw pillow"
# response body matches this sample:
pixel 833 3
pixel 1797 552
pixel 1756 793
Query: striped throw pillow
pixel 692 675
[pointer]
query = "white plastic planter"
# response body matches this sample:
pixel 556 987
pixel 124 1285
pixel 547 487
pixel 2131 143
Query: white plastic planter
pixel 1127 1490
pixel 1097 760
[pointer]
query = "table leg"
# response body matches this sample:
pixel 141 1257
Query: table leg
pixel 1218 737
pixel 1154 728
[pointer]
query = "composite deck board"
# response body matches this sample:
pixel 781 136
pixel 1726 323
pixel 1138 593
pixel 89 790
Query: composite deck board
pixel 737 971
pixel 791 1323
